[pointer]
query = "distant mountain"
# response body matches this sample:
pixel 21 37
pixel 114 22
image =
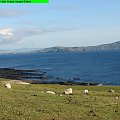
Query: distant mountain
pixel 104 47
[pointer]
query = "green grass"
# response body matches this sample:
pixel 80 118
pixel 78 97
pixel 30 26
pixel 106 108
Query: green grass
pixel 30 102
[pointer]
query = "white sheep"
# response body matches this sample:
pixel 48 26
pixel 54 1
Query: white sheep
pixel 8 85
pixel 117 97
pixel 85 91
pixel 50 92
pixel 112 91
pixel 68 91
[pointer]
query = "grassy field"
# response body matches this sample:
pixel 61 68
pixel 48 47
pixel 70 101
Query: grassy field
pixel 30 102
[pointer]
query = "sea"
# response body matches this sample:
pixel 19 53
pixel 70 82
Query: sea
pixel 97 67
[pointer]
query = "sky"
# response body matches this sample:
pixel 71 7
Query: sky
pixel 59 23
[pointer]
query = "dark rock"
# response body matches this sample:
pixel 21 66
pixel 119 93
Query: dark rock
pixel 76 78
pixel 34 95
pixel 37 77
pixel 11 73
pixel 116 111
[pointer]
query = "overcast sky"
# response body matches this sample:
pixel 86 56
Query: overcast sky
pixel 59 23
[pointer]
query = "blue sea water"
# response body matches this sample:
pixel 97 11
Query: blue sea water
pixel 100 67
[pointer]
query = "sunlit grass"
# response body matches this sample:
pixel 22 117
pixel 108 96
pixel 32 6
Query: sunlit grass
pixel 30 102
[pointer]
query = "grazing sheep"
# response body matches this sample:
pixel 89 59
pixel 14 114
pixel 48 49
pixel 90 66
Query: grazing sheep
pixel 112 91
pixel 68 91
pixel 8 85
pixel 117 97
pixel 85 91
pixel 60 95
pixel 50 92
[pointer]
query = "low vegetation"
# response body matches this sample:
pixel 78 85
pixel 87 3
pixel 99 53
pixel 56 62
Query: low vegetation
pixel 30 102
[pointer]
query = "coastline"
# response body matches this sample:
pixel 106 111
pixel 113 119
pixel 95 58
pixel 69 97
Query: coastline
pixel 40 77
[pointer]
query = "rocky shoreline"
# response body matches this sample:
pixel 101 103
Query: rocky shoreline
pixel 38 77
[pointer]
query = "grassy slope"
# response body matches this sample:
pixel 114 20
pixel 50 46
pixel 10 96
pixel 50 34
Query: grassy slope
pixel 29 102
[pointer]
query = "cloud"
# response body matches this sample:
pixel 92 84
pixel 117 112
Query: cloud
pixel 6 35
pixel 6 32
pixel 12 12
pixel 11 35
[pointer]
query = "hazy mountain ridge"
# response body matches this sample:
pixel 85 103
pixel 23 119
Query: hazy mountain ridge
pixel 103 47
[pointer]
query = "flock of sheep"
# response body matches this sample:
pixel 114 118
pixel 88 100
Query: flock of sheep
pixel 68 91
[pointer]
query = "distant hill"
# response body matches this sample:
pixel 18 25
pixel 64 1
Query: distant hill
pixel 104 47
